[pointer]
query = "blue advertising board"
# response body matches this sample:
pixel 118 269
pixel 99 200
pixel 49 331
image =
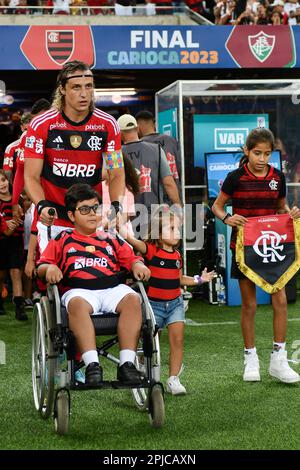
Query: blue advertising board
pixel 147 47
pixel 167 122
pixel 218 165
pixel 219 132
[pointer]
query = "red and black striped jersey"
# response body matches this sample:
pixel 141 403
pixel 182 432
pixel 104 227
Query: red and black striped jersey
pixel 254 195
pixel 6 214
pixel 10 156
pixel 3 226
pixel 18 181
pixel 89 261
pixel 165 266
pixel 72 152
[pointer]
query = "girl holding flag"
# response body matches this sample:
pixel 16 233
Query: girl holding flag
pixel 257 189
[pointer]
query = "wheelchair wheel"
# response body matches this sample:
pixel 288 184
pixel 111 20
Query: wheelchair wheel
pixel 140 395
pixel 43 360
pixel 49 322
pixel 156 406
pixel 38 357
pixel 62 412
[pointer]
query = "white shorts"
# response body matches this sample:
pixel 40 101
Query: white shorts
pixel 102 300
pixel 47 233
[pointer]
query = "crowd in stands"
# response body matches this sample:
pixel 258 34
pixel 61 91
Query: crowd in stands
pixel 220 12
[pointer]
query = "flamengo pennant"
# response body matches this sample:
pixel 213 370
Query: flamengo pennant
pixel 267 250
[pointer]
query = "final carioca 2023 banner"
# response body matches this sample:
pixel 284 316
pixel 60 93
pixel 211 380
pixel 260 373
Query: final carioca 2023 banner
pixel 143 47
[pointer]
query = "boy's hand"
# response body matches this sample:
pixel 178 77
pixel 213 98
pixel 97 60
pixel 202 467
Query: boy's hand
pixel 206 277
pixel 29 268
pixel 53 274
pixel 140 271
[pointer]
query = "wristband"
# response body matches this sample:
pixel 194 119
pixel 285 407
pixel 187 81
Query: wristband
pixel 41 204
pixel 198 279
pixel 225 217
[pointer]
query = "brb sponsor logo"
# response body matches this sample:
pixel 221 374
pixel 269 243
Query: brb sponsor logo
pixel 71 170
pixel 230 138
pixel 81 263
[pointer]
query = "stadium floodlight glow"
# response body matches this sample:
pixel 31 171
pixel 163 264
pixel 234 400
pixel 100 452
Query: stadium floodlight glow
pixel 2 90
pixel 115 91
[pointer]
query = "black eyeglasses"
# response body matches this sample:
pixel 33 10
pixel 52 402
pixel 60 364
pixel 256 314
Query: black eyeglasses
pixel 85 210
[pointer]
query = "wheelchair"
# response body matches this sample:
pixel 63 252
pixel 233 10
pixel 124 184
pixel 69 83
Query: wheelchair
pixel 54 366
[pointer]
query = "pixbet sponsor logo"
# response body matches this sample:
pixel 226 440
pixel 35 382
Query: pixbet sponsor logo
pixel 58 125
pixel 71 170
pixel 94 127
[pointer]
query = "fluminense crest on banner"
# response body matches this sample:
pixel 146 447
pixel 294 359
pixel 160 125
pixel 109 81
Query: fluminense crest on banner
pixel 261 45
pixel 267 250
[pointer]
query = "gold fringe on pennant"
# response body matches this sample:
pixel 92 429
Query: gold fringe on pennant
pixel 259 281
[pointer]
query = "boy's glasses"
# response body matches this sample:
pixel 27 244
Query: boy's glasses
pixel 85 210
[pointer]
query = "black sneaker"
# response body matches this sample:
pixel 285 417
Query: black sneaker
pixel 93 374
pixel 2 310
pixel 20 309
pixel 129 375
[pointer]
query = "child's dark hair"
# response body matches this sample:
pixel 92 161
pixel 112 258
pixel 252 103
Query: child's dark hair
pixel 131 177
pixel 257 136
pixel 79 192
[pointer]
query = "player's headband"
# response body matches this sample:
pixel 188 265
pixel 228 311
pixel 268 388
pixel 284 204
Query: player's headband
pixel 83 75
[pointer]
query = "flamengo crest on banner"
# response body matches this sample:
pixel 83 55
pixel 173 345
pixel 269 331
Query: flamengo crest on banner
pixel 60 45
pixel 267 250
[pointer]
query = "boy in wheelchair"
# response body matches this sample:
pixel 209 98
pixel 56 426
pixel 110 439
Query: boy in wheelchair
pixel 87 266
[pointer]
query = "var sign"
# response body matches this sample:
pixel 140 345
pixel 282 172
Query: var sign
pixel 227 138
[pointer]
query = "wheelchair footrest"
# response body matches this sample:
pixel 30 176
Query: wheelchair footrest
pixel 112 384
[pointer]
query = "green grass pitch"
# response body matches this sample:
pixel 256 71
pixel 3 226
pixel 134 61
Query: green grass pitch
pixel 220 411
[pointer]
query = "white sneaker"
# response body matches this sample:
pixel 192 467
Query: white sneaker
pixel 80 376
pixel 251 371
pixel 174 386
pixel 280 369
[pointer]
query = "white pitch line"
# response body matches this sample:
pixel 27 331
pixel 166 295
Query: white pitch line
pixel 191 322
pixel 194 323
